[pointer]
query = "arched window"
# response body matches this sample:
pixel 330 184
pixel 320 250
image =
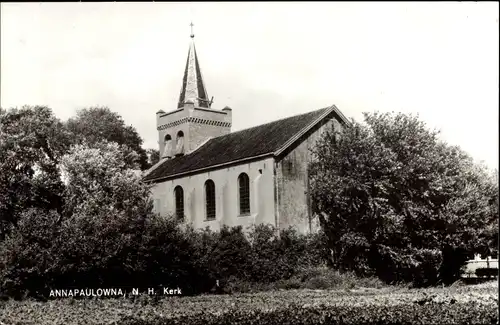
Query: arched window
pixel 179 202
pixel 180 143
pixel 167 151
pixel 210 199
pixel 244 193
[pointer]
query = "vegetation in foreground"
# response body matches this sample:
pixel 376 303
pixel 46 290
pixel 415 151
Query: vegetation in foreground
pixel 394 202
pixel 477 304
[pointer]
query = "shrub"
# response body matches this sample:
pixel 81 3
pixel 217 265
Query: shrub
pixel 272 257
pixel 27 262
pixel 276 257
pixel 487 272
pixel 112 251
pixel 229 254
pixel 126 249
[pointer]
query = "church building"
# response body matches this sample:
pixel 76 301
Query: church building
pixel 209 176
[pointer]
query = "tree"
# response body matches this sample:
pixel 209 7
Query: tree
pixel 96 124
pixel 106 212
pixel 32 142
pixel 395 200
pixel 99 181
pixel 153 157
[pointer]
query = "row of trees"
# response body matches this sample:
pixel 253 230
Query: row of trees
pixel 397 202
pixel 40 155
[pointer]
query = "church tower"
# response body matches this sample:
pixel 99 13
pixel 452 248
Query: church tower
pixel 193 122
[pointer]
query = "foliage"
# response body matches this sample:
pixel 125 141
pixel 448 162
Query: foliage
pixel 297 314
pixel 106 235
pixel 32 142
pixel 395 201
pixel 97 124
pixel 229 253
pixel 27 259
pixel 115 247
pixel 153 157
pixel 274 257
pixel 462 305
pixel 99 181
pixel 100 238
pixel 103 251
pixel 318 277
pixel 260 256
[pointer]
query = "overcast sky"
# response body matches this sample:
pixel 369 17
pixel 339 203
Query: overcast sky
pixel 264 60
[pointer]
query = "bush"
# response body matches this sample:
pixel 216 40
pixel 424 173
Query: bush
pixel 272 257
pixel 27 260
pixel 103 252
pixel 229 255
pixel 280 257
pixel 243 260
pixel 417 266
pixel 123 249
pixel 487 272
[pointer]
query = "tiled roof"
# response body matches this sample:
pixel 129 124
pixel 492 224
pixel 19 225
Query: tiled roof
pixel 256 141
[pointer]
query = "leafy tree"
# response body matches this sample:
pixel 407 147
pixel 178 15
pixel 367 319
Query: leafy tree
pixel 391 197
pixel 32 142
pixel 99 180
pixel 27 259
pixel 97 124
pixel 153 157
pixel 106 211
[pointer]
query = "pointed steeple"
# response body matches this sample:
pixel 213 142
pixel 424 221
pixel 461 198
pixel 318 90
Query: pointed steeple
pixel 193 88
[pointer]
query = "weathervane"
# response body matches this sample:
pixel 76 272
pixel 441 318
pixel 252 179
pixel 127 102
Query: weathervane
pixel 192 34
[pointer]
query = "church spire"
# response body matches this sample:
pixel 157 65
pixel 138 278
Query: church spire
pixel 193 88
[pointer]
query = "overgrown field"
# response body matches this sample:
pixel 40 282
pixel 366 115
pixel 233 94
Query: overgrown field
pixel 477 304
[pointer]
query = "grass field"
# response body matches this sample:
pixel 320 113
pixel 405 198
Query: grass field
pixel 389 305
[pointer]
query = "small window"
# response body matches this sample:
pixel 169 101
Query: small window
pixel 244 193
pixel 210 199
pixel 179 202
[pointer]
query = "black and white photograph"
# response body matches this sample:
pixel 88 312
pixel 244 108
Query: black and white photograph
pixel 242 163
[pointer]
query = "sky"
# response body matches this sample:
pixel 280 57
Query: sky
pixel 266 60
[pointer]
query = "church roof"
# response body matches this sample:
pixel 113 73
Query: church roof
pixel 267 139
pixel 193 88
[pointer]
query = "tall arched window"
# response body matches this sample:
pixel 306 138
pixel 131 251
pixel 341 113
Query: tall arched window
pixel 179 202
pixel 167 142
pixel 244 193
pixel 210 199
pixel 180 143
